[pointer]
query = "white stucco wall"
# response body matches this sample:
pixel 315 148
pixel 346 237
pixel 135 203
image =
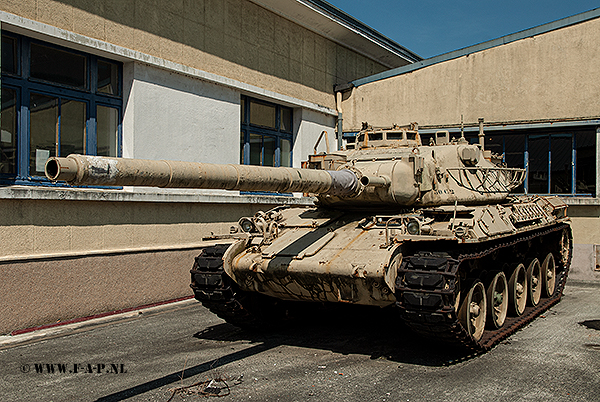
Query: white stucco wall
pixel 310 125
pixel 176 117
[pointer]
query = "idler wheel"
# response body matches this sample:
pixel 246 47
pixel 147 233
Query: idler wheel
pixel 497 299
pixel 517 290
pixel 534 282
pixel 549 275
pixel 472 312
pixel 565 248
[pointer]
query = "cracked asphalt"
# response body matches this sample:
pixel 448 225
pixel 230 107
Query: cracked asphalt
pixel 357 354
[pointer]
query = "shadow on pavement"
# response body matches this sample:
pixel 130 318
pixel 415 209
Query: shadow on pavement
pixel 377 333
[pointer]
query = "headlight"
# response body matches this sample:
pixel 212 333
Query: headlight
pixel 246 225
pixel 413 228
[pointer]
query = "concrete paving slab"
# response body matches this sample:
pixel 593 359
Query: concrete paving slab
pixel 352 355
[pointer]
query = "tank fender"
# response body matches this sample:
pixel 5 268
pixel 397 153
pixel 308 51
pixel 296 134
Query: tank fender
pixel 391 271
pixel 232 252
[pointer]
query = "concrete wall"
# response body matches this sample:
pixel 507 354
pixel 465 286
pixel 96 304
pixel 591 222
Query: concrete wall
pixel 585 222
pixel 171 116
pixel 550 76
pixel 67 254
pixel 233 38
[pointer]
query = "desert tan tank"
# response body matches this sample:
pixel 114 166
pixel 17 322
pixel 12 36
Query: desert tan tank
pixel 429 230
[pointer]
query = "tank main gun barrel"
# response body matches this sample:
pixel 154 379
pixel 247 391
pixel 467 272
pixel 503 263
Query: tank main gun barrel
pixel 97 170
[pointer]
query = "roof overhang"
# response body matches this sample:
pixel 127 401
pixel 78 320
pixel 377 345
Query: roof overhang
pixel 334 24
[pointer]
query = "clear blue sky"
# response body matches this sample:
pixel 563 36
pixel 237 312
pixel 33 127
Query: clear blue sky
pixel 432 27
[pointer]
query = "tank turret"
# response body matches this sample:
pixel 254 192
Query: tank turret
pixel 389 167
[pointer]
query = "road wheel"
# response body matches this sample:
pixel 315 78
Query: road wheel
pixel 534 282
pixel 517 290
pixel 472 312
pixel 549 275
pixel 497 299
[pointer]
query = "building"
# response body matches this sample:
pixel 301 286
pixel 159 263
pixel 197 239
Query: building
pixel 537 92
pixel 233 81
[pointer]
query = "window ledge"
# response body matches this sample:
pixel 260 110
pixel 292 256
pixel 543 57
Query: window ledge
pixel 581 200
pixel 143 195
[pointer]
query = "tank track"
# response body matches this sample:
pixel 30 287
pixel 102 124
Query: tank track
pixel 426 283
pixel 217 292
pixel 221 295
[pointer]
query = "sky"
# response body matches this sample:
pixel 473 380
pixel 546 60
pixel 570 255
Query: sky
pixel 432 27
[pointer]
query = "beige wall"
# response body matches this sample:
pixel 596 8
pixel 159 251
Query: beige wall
pixel 64 259
pixel 232 38
pixel 40 227
pixel 550 76
pixel 46 291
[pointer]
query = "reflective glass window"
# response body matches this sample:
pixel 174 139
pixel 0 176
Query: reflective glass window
pixel 108 77
pixel 9 55
pixel 285 124
pixel 269 145
pixel 286 153
pixel 49 107
pixel 585 147
pixel 43 128
pixel 262 115
pixel 266 136
pixel 561 164
pixel 8 135
pixel 256 149
pixel 58 66
pixel 107 130
pixel 72 127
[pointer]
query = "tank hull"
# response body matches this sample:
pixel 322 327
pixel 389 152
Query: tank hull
pixel 320 255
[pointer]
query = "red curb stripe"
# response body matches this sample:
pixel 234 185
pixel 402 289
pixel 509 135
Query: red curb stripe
pixel 91 317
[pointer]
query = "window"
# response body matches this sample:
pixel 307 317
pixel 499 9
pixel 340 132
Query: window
pixel 55 101
pixel 266 135
pixel 561 162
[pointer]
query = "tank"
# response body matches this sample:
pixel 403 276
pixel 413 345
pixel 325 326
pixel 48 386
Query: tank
pixel 430 232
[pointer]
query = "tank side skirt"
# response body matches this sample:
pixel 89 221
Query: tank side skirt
pixel 426 297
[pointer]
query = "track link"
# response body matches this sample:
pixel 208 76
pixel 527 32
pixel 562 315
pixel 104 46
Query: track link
pixel 217 292
pixel 426 288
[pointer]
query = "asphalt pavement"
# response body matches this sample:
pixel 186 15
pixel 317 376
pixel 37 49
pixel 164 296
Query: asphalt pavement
pixel 180 350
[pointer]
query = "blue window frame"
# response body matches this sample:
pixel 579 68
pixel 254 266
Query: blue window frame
pixel 266 136
pixel 55 101
pixel 560 162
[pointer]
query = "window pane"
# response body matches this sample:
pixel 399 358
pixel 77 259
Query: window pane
pixel 538 165
pixel 72 127
pixel 108 78
pixel 59 66
pixel 286 149
pixel 262 115
pixel 9 55
pixel 269 145
pixel 585 144
pixel 107 126
pixel 255 149
pixel 43 126
pixel 561 173
pixel 286 120
pixel 514 153
pixel 8 135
